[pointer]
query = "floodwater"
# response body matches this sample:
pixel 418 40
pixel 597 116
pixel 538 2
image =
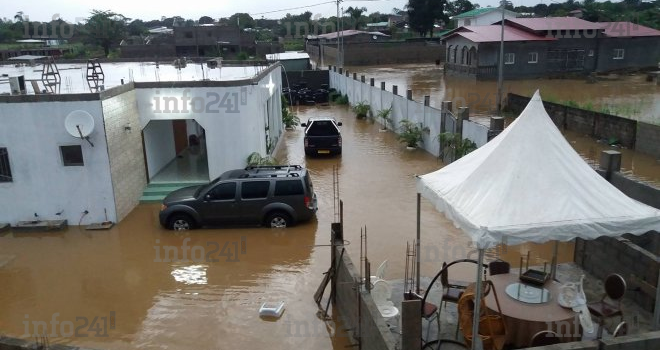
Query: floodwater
pixel 630 97
pixel 77 286
pixel 627 96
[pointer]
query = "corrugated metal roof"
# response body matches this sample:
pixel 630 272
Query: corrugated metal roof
pixel 492 33
pixel 627 29
pixel 349 32
pixel 289 55
pixel 555 23
pixel 475 12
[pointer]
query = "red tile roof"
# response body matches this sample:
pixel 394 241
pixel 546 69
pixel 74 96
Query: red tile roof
pixel 555 23
pixel 492 33
pixel 627 29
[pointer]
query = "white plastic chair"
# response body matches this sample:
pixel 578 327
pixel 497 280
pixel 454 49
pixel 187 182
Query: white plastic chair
pixel 380 273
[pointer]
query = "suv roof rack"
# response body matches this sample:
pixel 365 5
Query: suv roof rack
pixel 288 168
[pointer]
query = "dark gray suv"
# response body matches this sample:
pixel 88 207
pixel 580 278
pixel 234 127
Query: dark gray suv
pixel 275 196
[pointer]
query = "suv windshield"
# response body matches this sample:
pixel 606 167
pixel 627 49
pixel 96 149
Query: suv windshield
pixel 322 128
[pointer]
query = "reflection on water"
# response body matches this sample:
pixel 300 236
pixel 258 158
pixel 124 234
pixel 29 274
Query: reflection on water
pixel 163 296
pixel 629 96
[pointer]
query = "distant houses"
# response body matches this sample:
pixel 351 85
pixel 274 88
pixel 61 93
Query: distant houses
pixel 553 46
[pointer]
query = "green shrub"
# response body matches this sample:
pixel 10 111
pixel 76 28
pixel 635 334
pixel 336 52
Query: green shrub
pixel 361 109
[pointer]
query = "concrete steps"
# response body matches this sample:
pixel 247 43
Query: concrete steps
pixel 157 191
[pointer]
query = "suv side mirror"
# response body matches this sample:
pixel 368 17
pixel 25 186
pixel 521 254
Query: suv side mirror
pixel 304 125
pixel 207 197
pixel 338 123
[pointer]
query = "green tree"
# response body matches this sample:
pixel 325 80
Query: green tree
pixel 105 29
pixel 205 20
pixel 456 7
pixel 243 20
pixel 355 13
pixel 423 14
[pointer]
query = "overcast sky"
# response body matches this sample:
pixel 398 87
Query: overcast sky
pixel 69 10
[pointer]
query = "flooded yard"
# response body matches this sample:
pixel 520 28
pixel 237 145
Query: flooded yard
pixel 140 286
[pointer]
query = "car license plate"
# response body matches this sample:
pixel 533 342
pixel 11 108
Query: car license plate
pixel 324 151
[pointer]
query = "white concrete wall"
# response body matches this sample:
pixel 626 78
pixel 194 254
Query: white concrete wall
pixel 234 118
pixel 32 132
pixel 159 145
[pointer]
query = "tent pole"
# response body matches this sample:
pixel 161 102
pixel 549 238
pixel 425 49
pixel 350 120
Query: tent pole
pixel 656 310
pixel 477 303
pixel 418 262
pixel 553 269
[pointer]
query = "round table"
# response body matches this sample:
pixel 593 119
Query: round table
pixel 523 320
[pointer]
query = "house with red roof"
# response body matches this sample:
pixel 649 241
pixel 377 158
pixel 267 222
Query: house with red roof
pixel 553 46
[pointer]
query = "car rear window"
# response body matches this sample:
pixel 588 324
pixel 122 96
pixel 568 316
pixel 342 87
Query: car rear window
pixel 289 188
pixel 254 189
pixel 322 128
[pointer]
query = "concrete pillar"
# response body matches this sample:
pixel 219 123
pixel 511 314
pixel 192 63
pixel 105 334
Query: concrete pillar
pixel 362 78
pixel 329 67
pixel 341 70
pixel 464 113
pixel 395 89
pixel 427 100
pixel 496 123
pixel 347 73
pixel 372 81
pixel 354 76
pixel 610 161
pixel 382 85
pixel 446 106
pixel 409 94
pixel 411 324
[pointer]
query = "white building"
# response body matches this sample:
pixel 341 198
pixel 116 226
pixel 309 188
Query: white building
pixel 139 128
pixel 482 16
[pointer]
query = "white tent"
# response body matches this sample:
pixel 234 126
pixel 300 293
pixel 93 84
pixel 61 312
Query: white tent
pixel 529 185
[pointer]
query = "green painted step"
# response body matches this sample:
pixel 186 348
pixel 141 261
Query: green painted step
pixel 156 192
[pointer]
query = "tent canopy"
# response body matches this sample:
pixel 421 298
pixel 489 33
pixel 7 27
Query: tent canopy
pixel 529 185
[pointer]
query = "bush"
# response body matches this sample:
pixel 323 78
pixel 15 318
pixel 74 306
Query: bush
pixel 361 109
pixel 342 100
pixel 256 159
pixel 411 133
pixel 384 115
pixel 289 119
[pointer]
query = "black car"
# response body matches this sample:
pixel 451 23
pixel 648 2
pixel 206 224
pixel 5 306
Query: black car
pixel 275 196
pixel 322 136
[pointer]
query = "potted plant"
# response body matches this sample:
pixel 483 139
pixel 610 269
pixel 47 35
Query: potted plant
pixel 289 119
pixel 411 133
pixel 384 116
pixel 454 146
pixel 361 109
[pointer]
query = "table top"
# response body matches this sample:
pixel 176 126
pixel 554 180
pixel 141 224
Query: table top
pixel 545 312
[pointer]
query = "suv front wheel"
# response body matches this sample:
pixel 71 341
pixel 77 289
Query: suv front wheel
pixel 181 222
pixel 278 220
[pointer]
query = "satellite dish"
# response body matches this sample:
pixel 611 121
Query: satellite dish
pixel 79 124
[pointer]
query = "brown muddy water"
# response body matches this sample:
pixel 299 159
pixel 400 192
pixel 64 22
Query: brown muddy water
pixel 629 97
pixel 77 286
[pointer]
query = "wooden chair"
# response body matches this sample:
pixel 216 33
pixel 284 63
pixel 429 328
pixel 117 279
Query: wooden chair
pixel 610 303
pixel 620 330
pixel 430 312
pixel 492 327
pixel 498 267
pixel 544 338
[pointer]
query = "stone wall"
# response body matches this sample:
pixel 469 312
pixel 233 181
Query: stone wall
pixel 648 139
pixel 127 167
pixel 594 124
pixel 357 309
pixel 638 266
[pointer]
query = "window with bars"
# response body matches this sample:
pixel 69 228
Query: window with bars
pixel 5 169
